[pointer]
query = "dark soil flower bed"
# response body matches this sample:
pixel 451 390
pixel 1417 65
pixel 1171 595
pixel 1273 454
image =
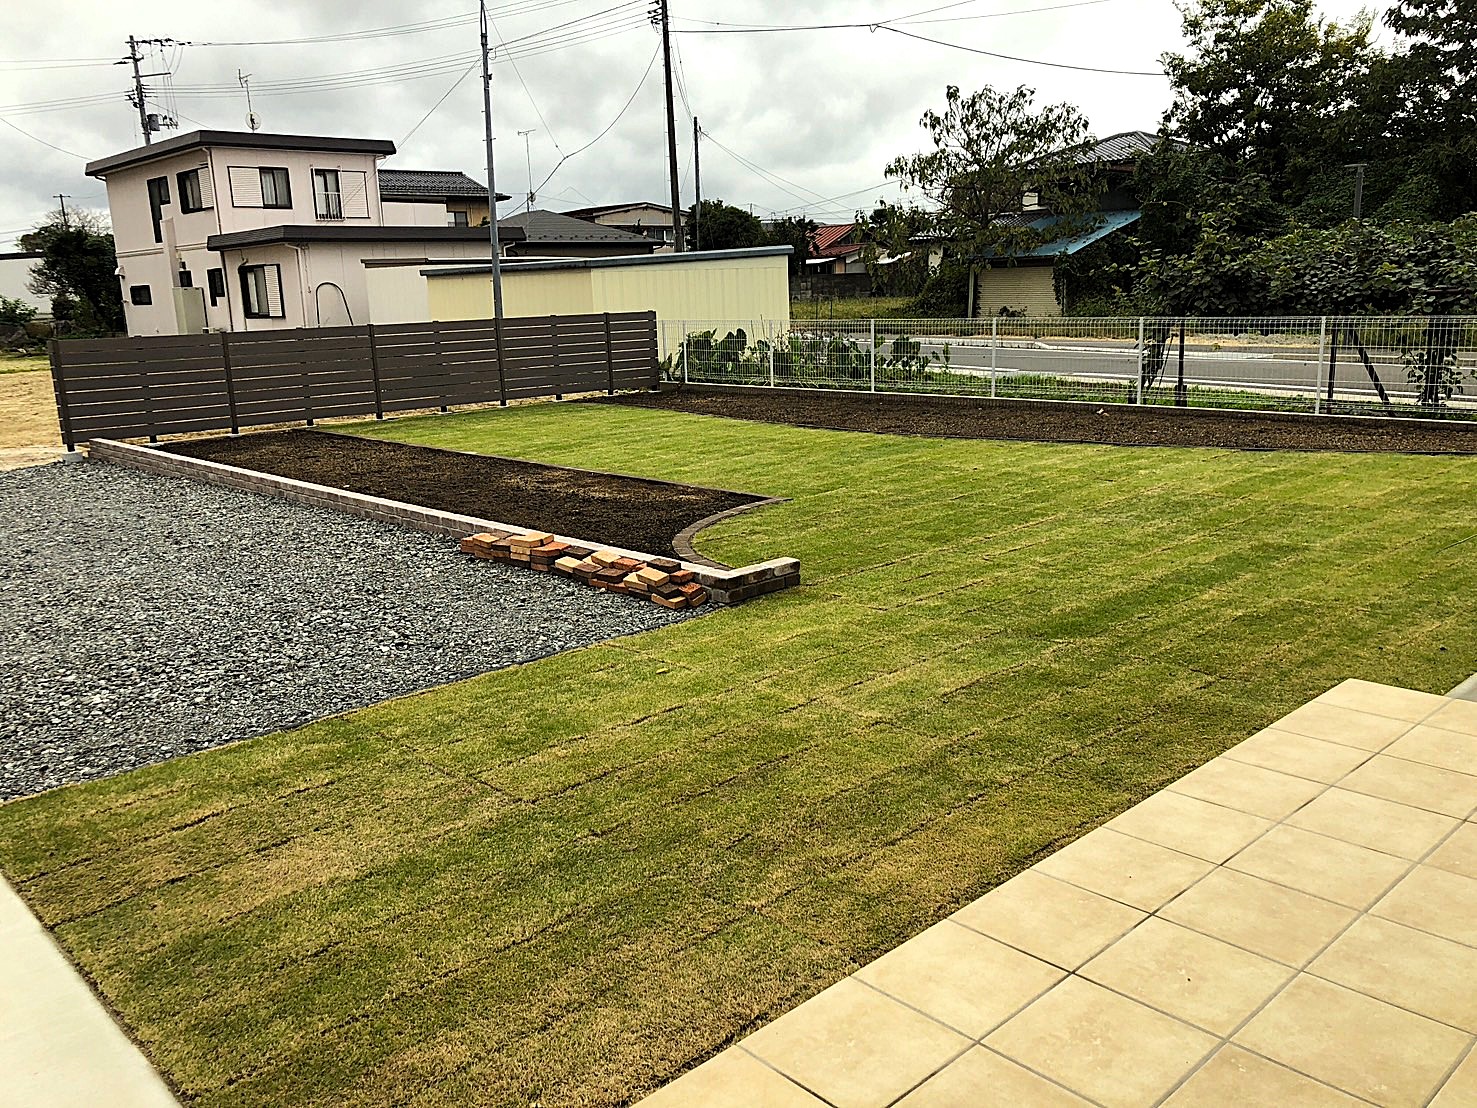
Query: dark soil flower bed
pixel 630 512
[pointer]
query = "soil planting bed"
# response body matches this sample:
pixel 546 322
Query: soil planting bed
pixel 1116 425
pixel 628 512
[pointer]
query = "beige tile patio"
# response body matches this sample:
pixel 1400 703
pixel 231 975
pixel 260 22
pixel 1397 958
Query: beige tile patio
pixel 1456 715
pixel 960 977
pixel 732 1079
pixel 1280 923
pixel 1248 788
pixel 1416 784
pixel 1374 822
pixel 1102 1045
pixel 1458 854
pixel 855 1047
pixel 1346 726
pixel 1199 979
pixel 982 1079
pixel 1130 870
pixel 1354 1042
pixel 1382 700
pixel 1434 900
pixel 1437 747
pixel 1053 920
pixel 1411 969
pixel 1236 1076
pixel 1460 1090
pixel 1298 755
pixel 1190 825
pixel 1337 871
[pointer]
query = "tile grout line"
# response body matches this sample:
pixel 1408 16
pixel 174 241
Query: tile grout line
pixel 1451 1072
pixel 739 1046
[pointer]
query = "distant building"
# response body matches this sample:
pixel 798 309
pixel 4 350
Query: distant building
pixel 560 235
pixel 653 221
pixel 15 276
pixel 433 198
pixel 836 248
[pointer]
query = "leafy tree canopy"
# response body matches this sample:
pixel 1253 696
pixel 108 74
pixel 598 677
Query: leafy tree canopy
pixel 77 271
pixel 724 227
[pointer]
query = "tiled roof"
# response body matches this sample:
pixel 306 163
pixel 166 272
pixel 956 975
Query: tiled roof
pixel 830 235
pixel 397 184
pixel 1126 146
pixel 544 226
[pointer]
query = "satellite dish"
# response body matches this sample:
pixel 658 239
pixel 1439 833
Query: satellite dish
pixel 253 121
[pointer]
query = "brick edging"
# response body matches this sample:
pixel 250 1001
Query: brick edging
pixel 682 544
pixel 724 585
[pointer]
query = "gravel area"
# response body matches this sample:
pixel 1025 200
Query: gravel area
pixel 147 617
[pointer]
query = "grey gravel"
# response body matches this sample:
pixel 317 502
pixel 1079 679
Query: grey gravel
pixel 144 617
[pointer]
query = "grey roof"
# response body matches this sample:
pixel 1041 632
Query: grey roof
pixel 608 209
pixel 552 227
pixel 338 232
pixel 514 264
pixel 430 184
pixel 251 140
pixel 1126 146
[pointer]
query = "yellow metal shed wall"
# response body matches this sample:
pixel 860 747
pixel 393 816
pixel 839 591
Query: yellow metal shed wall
pixel 543 292
pixel 1022 288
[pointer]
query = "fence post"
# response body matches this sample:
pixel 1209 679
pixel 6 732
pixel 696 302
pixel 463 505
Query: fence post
pixel 374 373
pixel 1318 366
pixel 230 380
pixel 1138 389
pixel 609 360
pixel 873 322
pixel 554 349
pixel 773 338
pixel 686 351
pixel 654 349
pixel 1181 393
pixel 502 375
pixel 994 352
pixel 59 387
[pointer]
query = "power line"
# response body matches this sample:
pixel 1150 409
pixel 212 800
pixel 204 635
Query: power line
pixel 465 74
pixel 1028 61
pixel 42 141
pixel 624 108
pixel 396 30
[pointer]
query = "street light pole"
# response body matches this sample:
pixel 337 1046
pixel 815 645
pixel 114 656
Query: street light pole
pixel 1358 168
pixel 497 262
pixel 528 157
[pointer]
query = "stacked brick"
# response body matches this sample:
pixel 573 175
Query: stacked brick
pixel 663 581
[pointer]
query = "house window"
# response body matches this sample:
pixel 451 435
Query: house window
pixel 328 201
pixel 158 198
pixel 261 291
pixel 192 197
pixel 216 280
pixel 185 280
pixel 140 294
pixel 456 219
pixel 276 189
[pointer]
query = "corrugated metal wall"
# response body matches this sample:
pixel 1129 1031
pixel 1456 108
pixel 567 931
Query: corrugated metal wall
pixel 1024 289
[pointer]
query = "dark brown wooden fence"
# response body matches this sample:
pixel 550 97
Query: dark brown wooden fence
pixel 168 384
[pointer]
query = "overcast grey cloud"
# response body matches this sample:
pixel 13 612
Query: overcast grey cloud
pixel 818 112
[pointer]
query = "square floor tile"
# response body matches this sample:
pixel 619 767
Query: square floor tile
pixel 1280 923
pixel 1130 870
pixel 1458 854
pixel 1053 920
pixel 1199 979
pixel 1346 726
pixel 1434 900
pixel 1192 826
pixel 1299 755
pixel 1104 1046
pixel 854 1047
pixel 1460 1090
pixel 961 978
pixel 1411 969
pixel 1248 788
pixel 1354 1042
pixel 1373 822
pixel 1383 700
pixel 733 1079
pixel 1436 747
pixel 983 1078
pixel 1236 1076
pixel 1416 784
pixel 1456 715
pixel 1334 870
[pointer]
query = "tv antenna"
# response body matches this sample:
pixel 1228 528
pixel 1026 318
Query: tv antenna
pixel 252 119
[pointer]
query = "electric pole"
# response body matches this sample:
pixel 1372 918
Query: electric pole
pixel 497 262
pixel 678 244
pixel 528 158
pixel 697 185
pixel 137 98
pixel 1358 168
pixel 62 199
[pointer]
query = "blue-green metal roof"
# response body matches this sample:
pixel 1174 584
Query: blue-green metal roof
pixel 1084 233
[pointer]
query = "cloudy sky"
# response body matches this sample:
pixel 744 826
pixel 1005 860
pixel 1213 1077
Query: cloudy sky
pixel 800 121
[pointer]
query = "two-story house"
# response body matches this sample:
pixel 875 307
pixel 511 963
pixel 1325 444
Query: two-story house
pixel 232 230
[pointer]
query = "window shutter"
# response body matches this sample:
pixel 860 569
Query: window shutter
pixel 355 199
pixel 207 186
pixel 246 186
pixel 274 291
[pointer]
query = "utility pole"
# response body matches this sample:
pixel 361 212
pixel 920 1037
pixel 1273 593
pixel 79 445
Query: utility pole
pixel 497 261
pixel 137 98
pixel 678 244
pixel 697 184
pixel 528 157
pixel 1358 168
pixel 62 198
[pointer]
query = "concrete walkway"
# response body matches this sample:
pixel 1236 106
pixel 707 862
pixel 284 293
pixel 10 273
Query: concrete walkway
pixel 1294 923
pixel 59 1047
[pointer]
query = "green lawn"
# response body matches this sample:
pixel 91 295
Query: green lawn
pixel 18 363
pixel 862 307
pixel 562 883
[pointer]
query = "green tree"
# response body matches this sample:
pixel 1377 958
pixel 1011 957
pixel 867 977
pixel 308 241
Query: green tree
pixel 990 148
pixel 896 261
pixel 794 233
pixel 77 270
pixel 724 227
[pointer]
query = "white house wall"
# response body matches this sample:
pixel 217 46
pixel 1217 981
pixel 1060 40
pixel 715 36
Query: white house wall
pixel 15 275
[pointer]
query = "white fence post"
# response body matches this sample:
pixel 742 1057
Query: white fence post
pixel 994 351
pixel 686 351
pixel 1318 368
pixel 1138 386
pixel 773 338
pixel 873 383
